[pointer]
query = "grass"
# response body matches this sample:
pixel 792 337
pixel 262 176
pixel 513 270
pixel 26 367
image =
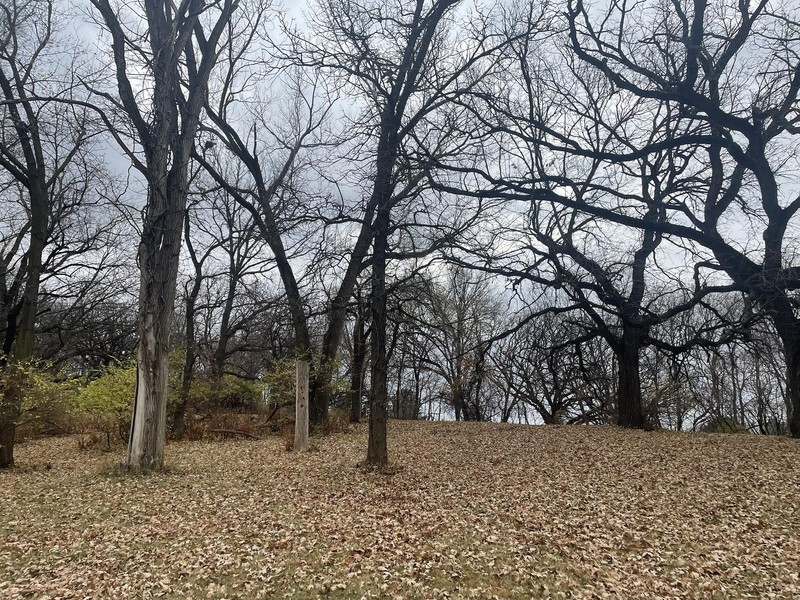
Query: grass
pixel 470 511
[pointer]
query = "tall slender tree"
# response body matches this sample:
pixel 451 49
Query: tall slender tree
pixel 407 65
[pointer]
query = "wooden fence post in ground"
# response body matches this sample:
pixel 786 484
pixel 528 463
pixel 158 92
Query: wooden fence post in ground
pixel 301 407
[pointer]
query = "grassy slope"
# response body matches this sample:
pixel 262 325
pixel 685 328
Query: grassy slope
pixel 473 511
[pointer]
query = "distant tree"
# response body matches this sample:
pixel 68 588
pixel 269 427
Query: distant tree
pixel 270 159
pixel 463 314
pixel 550 366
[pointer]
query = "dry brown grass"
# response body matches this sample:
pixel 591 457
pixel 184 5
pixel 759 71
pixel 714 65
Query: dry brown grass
pixel 472 511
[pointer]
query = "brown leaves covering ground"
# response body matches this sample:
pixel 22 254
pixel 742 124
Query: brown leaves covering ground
pixel 472 511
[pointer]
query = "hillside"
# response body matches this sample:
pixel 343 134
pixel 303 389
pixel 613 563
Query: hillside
pixel 471 511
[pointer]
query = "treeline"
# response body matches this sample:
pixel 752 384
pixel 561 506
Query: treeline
pixel 502 210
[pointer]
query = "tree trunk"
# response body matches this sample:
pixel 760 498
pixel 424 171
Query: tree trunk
pixel 7 432
pixel 159 252
pixel 221 350
pixel 10 404
pixel 381 193
pixel 321 393
pixel 377 453
pixel 148 425
pixel 788 328
pixel 23 335
pixel 359 357
pixel 629 389
pixel 791 351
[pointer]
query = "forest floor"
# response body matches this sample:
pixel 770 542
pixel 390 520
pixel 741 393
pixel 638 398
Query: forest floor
pixel 470 511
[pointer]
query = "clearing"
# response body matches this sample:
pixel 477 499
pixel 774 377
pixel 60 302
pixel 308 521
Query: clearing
pixel 472 511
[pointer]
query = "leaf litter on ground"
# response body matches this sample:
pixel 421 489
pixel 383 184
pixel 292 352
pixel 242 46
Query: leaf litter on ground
pixel 469 510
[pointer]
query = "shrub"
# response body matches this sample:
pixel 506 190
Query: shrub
pixel 338 421
pixel 229 392
pixel 105 404
pixel 47 398
pixel 724 425
pixel 279 383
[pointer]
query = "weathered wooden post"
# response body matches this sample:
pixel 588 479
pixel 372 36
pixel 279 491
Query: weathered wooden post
pixel 301 407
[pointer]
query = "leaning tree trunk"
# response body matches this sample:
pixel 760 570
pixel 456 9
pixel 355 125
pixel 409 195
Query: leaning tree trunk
pixel 629 388
pixel 221 351
pixel 321 392
pixel 322 388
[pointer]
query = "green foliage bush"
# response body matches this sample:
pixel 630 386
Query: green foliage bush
pixel 230 392
pixel 280 382
pixel 105 403
pixel 54 403
pixel 47 398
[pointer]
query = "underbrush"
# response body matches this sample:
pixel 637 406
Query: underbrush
pixel 98 409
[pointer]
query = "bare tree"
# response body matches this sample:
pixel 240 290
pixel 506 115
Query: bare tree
pixel 731 76
pixel 668 91
pixel 162 66
pixel 274 156
pixel 405 63
pixel 46 178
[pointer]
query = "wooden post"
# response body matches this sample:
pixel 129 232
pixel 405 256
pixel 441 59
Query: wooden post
pixel 301 407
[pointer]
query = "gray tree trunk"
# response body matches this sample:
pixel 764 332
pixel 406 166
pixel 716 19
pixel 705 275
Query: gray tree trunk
pixel 301 406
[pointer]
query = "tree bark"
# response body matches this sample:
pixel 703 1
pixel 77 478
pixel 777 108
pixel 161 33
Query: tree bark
pixel 10 405
pixel 788 328
pixel 793 391
pixel 159 253
pixel 359 358
pixel 166 133
pixel 20 336
pixel 24 334
pixel 629 389
pixel 377 453
pixel 7 433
